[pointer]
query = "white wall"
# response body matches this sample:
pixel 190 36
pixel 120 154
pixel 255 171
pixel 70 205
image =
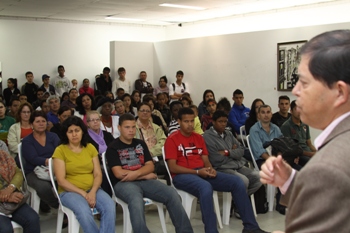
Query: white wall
pixel 247 61
pixel 134 57
pixel 319 14
pixel 84 49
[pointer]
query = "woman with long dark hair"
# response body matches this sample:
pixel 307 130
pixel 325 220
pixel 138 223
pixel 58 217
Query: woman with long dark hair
pixel 85 102
pixel 253 114
pixel 202 108
pixel 79 177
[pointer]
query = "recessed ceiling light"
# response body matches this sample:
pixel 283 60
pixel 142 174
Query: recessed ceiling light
pixel 125 19
pixel 182 6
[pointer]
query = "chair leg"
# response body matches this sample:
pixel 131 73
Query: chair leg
pixel 35 202
pixel 252 200
pixel 73 224
pixel 60 216
pixel 160 207
pixel 271 191
pixel 226 207
pixel 127 228
pixel 217 208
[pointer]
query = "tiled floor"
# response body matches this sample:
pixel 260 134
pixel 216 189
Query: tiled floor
pixel 268 222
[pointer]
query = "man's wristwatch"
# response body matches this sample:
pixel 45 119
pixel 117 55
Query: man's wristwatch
pixel 226 153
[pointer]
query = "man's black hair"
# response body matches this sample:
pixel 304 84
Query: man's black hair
pixel 185 111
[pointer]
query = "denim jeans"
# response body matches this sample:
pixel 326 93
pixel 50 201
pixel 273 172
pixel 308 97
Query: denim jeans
pixel 24 216
pixel 82 210
pixel 202 188
pixel 133 193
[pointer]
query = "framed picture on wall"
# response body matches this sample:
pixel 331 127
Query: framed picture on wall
pixel 288 59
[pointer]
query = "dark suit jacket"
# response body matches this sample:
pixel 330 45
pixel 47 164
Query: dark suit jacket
pixel 318 199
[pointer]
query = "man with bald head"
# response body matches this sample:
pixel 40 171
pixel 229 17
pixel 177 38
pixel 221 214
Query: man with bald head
pixel 317 197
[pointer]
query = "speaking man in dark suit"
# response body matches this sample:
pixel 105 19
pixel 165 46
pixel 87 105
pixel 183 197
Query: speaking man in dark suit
pixel 317 197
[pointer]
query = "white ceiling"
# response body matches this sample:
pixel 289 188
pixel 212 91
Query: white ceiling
pixel 149 10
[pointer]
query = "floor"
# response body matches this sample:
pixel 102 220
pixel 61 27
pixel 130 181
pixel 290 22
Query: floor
pixel 269 222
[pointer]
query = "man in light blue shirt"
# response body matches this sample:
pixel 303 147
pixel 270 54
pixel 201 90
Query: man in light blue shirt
pixel 261 132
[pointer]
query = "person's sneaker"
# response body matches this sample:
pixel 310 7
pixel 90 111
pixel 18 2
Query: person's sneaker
pixel 254 231
pixel 281 209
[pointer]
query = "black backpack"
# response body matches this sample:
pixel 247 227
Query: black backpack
pixel 184 86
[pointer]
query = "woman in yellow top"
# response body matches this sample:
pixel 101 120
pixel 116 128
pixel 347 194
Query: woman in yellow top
pixel 78 173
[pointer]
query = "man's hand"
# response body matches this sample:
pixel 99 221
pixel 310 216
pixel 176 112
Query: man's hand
pixel 130 176
pixel 150 176
pixel 207 172
pixel 275 171
pixel 212 172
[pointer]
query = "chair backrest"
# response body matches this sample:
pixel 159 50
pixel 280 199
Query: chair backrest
pixel 251 153
pixel 52 178
pixel 104 163
pixel 22 161
pixel 242 132
pixel 166 166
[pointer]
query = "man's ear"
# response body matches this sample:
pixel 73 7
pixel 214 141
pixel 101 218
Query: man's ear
pixel 342 93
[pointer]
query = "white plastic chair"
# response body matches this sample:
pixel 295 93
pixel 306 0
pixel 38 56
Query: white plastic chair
pixel 127 228
pixel 73 224
pixel 188 200
pixel 34 198
pixel 16 227
pixel 242 132
pixel 271 190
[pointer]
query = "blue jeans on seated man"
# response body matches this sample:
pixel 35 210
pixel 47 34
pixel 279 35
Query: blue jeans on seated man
pixel 202 188
pixel 24 216
pixel 133 193
pixel 104 204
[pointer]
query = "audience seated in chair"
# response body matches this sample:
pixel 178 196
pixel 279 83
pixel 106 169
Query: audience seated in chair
pixel 108 122
pixel 132 165
pixel 278 118
pixel 253 114
pixel 202 107
pixel 72 101
pixel 227 155
pixel 296 129
pixel 63 113
pixel 207 118
pixel 175 106
pixel 187 158
pixel 20 129
pixel 152 135
pixel 79 175
pixel 11 180
pixel 37 149
pixel 238 113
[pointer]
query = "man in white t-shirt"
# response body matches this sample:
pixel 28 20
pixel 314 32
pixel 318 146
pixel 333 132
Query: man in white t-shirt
pixel 178 88
pixel 61 83
pixel 121 82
